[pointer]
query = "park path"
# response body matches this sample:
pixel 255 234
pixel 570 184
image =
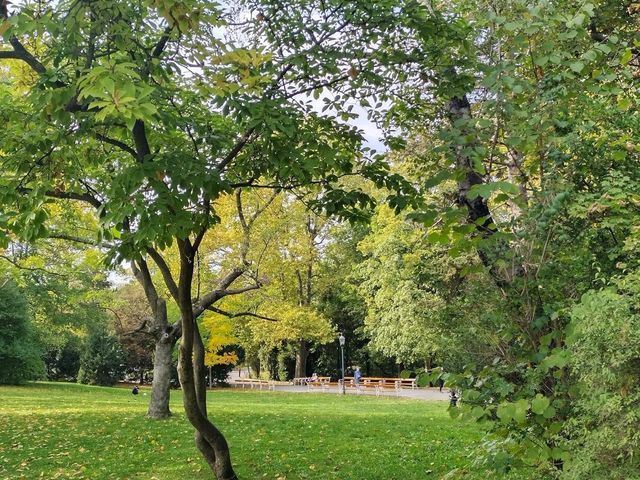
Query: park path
pixel 420 393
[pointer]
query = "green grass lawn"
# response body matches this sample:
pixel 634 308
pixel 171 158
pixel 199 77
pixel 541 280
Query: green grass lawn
pixel 66 431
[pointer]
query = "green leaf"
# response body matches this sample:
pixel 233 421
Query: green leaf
pixel 477 412
pixel 542 61
pixel 487 189
pixel 437 179
pixel 521 410
pixel 626 57
pixel 577 66
pixel 539 404
pixel 579 19
pixel 506 411
pixel 619 155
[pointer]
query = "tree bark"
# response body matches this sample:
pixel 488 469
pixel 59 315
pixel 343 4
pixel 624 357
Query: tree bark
pixel 162 368
pixel 478 212
pixel 302 354
pixel 166 336
pixel 208 438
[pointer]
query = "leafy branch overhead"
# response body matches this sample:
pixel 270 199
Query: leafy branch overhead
pixel 150 125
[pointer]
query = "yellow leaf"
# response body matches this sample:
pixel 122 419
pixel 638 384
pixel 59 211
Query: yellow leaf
pixel 4 26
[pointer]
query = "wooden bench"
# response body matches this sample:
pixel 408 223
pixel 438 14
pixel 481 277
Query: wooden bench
pixel 321 382
pixel 407 383
pixel 306 380
pixel 315 385
pixel 385 383
pixel 256 383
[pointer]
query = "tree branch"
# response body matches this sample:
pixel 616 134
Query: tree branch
pixel 241 314
pixel 311 88
pixel 201 304
pixel 261 209
pixel 205 226
pixel 117 143
pixel 238 291
pixel 140 139
pixel 82 197
pixel 162 43
pixel 141 271
pixel 166 272
pixel 84 241
pixel 31 269
pixel 21 53
pixel 242 141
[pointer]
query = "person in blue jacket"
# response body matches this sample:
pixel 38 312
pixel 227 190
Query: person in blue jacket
pixel 356 376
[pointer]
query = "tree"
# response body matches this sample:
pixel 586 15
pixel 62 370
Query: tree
pixel 63 362
pixel 114 122
pixel 65 287
pixel 531 97
pixel 285 249
pixel 130 315
pixel 221 347
pixel 102 361
pixel 20 352
pixel 403 301
pixel 605 348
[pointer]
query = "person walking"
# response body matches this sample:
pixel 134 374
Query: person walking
pixel 356 376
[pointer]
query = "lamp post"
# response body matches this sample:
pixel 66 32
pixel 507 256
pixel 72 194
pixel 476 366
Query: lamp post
pixel 341 339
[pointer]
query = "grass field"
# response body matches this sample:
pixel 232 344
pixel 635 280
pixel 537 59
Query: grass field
pixel 69 431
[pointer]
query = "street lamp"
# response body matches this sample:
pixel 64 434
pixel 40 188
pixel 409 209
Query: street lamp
pixel 341 339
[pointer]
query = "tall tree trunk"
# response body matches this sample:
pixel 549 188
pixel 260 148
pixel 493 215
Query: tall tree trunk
pixel 254 366
pixel 208 438
pixel 161 385
pixel 264 359
pixel 477 208
pixel 301 359
pixel 166 336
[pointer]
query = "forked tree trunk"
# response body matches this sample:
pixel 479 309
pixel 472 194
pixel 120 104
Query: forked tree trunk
pixel 302 354
pixel 208 438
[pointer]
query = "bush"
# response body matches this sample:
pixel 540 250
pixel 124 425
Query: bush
pixel 63 362
pixel 102 362
pixel 20 351
pixel 605 359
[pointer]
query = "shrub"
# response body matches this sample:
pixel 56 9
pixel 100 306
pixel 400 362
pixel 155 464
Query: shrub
pixel 102 362
pixel 605 359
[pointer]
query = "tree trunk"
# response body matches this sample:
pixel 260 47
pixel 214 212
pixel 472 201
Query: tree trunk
pixel 477 208
pixel 162 368
pixel 166 336
pixel 301 359
pixel 208 438
pixel 264 358
pixel 254 366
